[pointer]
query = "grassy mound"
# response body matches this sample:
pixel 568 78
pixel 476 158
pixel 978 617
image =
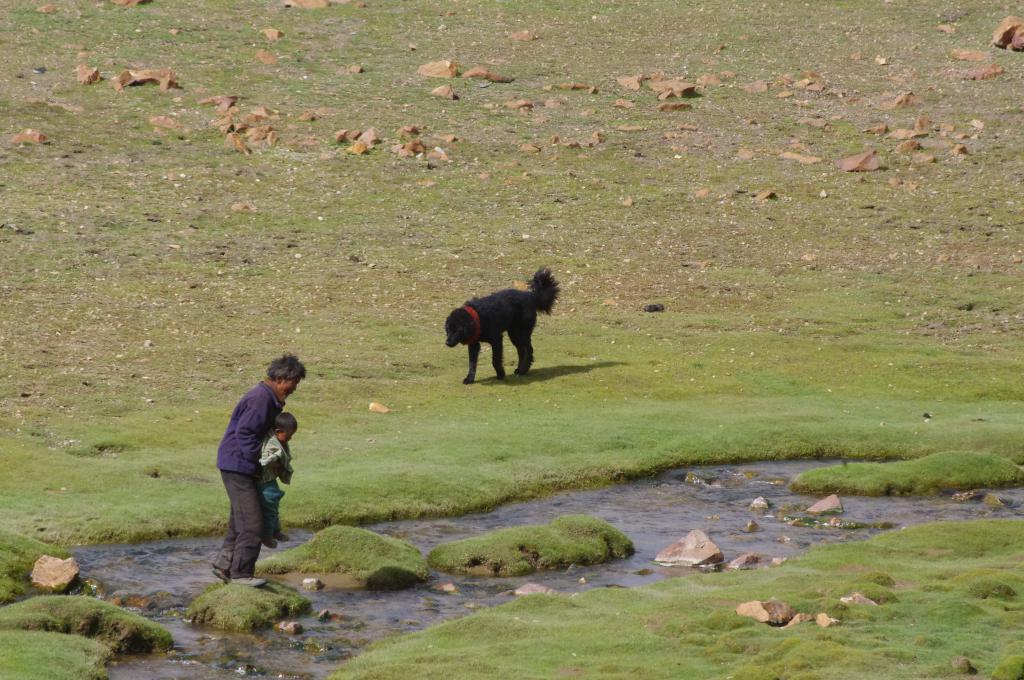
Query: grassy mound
pixel 687 628
pixel 17 555
pixel 381 562
pixel 121 631
pixel 35 655
pixel 572 539
pixel 243 608
pixel 947 470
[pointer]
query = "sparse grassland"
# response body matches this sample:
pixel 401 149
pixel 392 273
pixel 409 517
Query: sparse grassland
pixel 138 304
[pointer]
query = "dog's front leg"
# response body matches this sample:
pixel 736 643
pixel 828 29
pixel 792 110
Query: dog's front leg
pixel 496 358
pixel 474 354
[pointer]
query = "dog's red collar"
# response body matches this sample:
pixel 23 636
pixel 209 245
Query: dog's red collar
pixel 476 325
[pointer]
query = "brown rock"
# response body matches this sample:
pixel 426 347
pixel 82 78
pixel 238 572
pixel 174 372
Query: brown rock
pixel 523 36
pixel 747 560
pixel 87 75
pixel 164 77
pixel 908 146
pixel 312 584
pixel 631 82
pixel 862 162
pixel 29 136
pixel 272 34
pixel 857 598
pixel 439 69
pixel 369 137
pixel 824 620
pixel 798 618
pixel 799 158
pixel 480 72
pixel 1005 31
pixel 694 550
pixel 308 4
pixel 772 612
pixel 969 55
pixel 445 92
pixel 826 505
pixel 986 72
pixel 290 627
pixel 53 573
pixel 756 86
pixel 534 589
pixel 673 106
pixel 448 587
pixel 265 57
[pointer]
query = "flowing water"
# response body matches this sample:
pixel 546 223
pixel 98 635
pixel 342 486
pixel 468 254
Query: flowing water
pixel 159 579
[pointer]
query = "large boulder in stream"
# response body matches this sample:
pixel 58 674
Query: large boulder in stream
pixel 54 574
pixel 121 631
pixel 570 539
pixel 694 549
pixel 375 561
pixel 244 608
pixel 17 555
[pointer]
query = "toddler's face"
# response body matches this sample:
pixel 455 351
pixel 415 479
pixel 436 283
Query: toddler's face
pixel 284 436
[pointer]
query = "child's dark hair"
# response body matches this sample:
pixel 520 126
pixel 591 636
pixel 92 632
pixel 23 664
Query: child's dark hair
pixel 285 422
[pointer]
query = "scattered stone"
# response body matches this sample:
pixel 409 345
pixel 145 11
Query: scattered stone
pixel 1007 33
pixel 760 503
pixel 445 92
pixel 379 408
pixel 972 495
pixel 290 627
pixel 986 72
pixel 778 561
pixel 694 478
pixel 654 308
pixel 694 550
pixel 747 560
pixel 824 620
pixel 523 36
pixel 312 584
pixel 866 161
pixel 448 587
pixel 826 505
pixel 751 527
pixel 961 664
pixel 772 612
pixel 798 618
pixel 53 573
pixel 534 589
pixel 439 69
pixel 87 75
pixel 993 501
pixel 29 136
pixel 857 598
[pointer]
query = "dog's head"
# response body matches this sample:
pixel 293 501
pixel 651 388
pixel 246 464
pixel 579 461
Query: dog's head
pixel 459 327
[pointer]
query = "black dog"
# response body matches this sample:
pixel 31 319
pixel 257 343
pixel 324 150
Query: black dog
pixel 486 319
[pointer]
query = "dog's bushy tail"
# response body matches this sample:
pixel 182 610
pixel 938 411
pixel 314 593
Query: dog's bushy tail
pixel 545 289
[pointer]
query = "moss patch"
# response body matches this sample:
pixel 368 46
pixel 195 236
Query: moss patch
pixel 88 617
pixel 35 655
pixel 380 562
pixel 927 475
pixel 1010 668
pixel 243 608
pixel 572 539
pixel 17 555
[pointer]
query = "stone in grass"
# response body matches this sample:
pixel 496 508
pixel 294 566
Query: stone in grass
pixel 516 551
pixel 963 665
pixel 244 609
pixel 121 631
pixel 693 550
pixel 54 656
pixel 376 561
pixel 17 555
pixel 772 612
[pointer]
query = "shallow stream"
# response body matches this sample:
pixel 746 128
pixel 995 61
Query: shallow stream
pixel 159 579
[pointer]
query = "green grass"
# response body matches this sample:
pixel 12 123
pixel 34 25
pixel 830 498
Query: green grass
pixel 121 631
pixel 17 555
pixel 927 475
pixel 141 305
pixel 245 609
pixel 34 655
pixel 380 562
pixel 687 628
pixel 570 539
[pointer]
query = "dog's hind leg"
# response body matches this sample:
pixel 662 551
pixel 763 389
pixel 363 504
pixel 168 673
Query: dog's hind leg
pixel 496 358
pixel 474 354
pixel 525 350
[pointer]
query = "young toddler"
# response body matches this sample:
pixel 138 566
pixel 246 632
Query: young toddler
pixel 276 462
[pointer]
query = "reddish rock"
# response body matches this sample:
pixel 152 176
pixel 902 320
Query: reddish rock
pixel 694 550
pixel 772 612
pixel 826 505
pixel 53 573
pixel 534 589
pixel 745 561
